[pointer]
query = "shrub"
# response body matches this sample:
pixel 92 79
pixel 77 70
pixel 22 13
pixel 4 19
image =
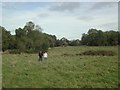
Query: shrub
pixel 99 52
pixel 30 51
pixel 14 52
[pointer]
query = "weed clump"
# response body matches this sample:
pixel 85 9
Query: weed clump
pixel 66 54
pixel 14 52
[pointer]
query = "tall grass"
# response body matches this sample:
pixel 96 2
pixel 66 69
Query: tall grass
pixel 60 70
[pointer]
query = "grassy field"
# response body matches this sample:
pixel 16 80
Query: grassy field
pixel 63 69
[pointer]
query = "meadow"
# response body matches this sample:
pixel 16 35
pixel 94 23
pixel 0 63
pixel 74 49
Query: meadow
pixel 64 68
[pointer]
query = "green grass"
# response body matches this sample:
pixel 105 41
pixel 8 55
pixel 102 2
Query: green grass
pixel 24 70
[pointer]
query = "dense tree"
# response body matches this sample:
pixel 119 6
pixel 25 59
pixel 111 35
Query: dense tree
pixel 51 39
pixel 112 37
pixel 21 39
pixel 74 42
pixel 29 38
pixel 32 38
pixel 58 43
pixel 96 37
pixel 84 39
pixel 6 39
pixel 29 26
pixel 64 41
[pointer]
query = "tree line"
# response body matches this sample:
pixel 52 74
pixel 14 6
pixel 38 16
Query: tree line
pixel 30 39
pixel 96 37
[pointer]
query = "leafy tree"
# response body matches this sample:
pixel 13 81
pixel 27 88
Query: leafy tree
pixel 6 39
pixel 112 37
pixel 58 43
pixel 45 47
pixel 74 43
pixel 84 39
pixel 51 39
pixel 96 37
pixel 101 38
pixel 21 39
pixel 12 43
pixel 29 26
pixel 64 41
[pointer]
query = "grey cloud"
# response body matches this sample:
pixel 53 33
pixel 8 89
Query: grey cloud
pixel 101 5
pixel 110 25
pixel 65 6
pixel 43 15
pixel 86 18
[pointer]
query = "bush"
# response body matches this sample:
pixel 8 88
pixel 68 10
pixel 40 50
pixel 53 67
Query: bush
pixel 14 52
pixel 30 51
pixel 99 52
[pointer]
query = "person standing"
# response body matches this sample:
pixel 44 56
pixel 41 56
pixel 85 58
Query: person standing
pixel 40 55
pixel 45 55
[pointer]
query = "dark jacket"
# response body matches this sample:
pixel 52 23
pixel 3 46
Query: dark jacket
pixel 40 54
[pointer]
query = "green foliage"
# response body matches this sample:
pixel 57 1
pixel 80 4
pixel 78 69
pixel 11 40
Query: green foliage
pixel 50 39
pixel 29 38
pixel 57 43
pixel 45 47
pixel 6 39
pixel 62 42
pixel 74 43
pixel 29 26
pixel 112 37
pixel 96 37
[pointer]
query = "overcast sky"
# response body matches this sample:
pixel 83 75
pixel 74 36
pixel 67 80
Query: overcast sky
pixel 63 19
